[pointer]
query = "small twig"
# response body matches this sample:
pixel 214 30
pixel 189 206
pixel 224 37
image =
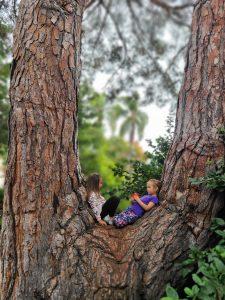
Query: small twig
pixel 102 25
pixel 175 57
pixel 116 27
pixel 156 64
pixel 92 9
pixel 14 9
pixel 123 42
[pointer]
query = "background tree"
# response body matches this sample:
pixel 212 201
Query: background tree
pixel 144 54
pixel 149 40
pixel 134 120
pixel 4 81
pixel 135 173
pixel 99 153
pixel 42 176
pixel 4 101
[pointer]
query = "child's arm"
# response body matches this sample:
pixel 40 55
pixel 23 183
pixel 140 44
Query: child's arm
pixel 146 207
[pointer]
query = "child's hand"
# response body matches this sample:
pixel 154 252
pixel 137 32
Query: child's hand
pixel 132 196
pixel 135 196
pixel 102 223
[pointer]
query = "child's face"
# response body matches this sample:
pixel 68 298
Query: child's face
pixel 100 183
pixel 151 188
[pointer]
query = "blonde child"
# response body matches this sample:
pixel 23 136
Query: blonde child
pixel 139 205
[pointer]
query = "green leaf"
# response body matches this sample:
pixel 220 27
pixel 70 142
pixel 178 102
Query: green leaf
pixel 221 233
pixel 167 298
pixel 205 270
pixel 185 272
pixel 219 221
pixel 195 290
pixel 188 261
pixel 219 264
pixel 197 279
pixel 188 291
pixel 208 287
pixel 171 292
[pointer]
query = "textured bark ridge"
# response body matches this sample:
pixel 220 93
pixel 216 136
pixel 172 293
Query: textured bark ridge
pixel 42 179
pixel 50 245
pixel 200 113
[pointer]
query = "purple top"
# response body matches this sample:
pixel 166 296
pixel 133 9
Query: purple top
pixel 139 211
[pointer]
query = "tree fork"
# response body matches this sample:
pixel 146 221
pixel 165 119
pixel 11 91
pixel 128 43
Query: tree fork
pixel 50 245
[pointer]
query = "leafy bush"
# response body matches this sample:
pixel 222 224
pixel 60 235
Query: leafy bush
pixel 215 179
pixel 97 152
pixel 135 174
pixel 209 278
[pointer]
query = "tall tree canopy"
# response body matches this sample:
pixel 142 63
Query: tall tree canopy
pixel 134 53
pixel 137 53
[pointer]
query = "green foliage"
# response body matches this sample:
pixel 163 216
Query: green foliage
pixel 98 153
pixel 221 133
pixel 171 293
pixel 4 41
pixel 207 268
pixel 4 101
pixel 134 120
pixel 91 135
pixel 4 82
pixel 124 203
pixel 135 174
pixel 209 277
pixel 215 179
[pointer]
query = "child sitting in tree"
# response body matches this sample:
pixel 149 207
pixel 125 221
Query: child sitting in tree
pixel 100 207
pixel 139 205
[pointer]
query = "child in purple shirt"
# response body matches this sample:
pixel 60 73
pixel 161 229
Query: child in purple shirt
pixel 139 205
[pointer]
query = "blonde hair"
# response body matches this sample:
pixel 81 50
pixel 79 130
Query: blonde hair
pixel 156 184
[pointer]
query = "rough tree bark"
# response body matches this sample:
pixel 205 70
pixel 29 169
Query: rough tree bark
pixel 42 177
pixel 50 245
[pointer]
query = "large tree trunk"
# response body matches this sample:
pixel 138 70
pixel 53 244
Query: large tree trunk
pixel 51 247
pixel 42 177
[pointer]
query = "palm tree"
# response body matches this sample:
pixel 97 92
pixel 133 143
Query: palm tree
pixel 134 120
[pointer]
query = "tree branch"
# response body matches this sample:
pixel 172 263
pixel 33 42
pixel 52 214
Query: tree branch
pixel 169 7
pixel 176 56
pixel 164 74
pixel 103 23
pixel 89 3
pixel 116 27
